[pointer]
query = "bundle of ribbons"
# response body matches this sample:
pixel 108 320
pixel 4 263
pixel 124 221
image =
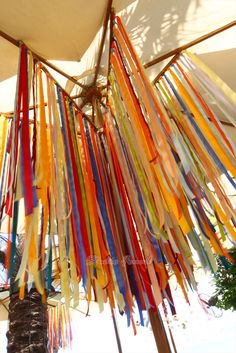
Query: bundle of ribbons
pixel 59 328
pixel 119 206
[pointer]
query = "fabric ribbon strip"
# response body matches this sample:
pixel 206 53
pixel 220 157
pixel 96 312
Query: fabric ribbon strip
pixel 119 207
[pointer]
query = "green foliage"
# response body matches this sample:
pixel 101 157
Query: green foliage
pixel 226 283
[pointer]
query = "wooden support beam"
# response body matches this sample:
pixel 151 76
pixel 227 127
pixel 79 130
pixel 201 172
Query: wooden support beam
pixel 17 43
pixel 118 341
pixel 166 67
pixel 105 25
pixel 10 115
pixel 159 332
pixel 188 45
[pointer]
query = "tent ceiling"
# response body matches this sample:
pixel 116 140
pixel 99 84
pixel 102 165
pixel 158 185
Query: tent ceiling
pixel 64 30
pixel 55 29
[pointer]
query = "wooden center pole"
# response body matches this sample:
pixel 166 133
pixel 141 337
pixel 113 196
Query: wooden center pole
pixel 118 341
pixel 159 332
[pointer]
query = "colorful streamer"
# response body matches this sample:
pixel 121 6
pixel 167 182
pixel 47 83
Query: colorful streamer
pixel 59 328
pixel 114 208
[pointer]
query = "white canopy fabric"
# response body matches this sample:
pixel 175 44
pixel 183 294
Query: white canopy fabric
pixel 64 30
pixel 55 29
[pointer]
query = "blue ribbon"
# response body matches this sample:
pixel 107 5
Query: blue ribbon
pixel 141 202
pixel 104 212
pixel 200 134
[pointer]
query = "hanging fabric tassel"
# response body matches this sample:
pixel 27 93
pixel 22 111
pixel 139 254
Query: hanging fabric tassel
pixel 118 207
